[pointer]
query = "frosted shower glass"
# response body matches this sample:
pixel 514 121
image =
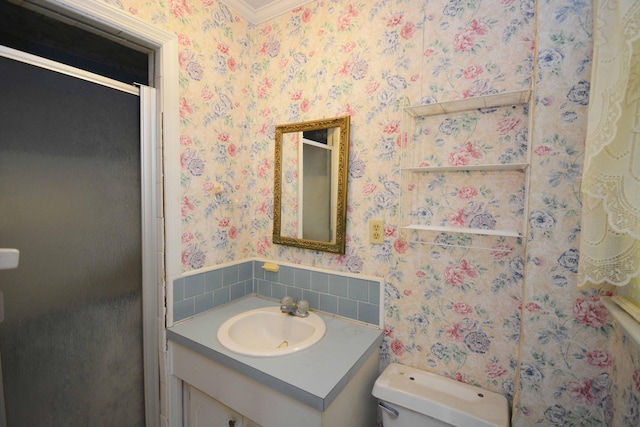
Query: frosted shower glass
pixel 71 342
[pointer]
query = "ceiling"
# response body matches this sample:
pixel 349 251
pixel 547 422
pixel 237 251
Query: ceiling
pixel 258 11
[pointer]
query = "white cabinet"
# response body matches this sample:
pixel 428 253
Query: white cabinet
pixel 464 169
pixel 214 394
pixel 204 411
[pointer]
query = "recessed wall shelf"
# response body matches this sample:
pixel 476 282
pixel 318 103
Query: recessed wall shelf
pixel 487 101
pixel 509 166
pixel 481 164
pixel 479 231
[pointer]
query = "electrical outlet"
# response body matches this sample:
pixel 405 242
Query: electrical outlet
pixel 376 231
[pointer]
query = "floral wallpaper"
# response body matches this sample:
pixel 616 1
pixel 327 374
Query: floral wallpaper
pixel 502 313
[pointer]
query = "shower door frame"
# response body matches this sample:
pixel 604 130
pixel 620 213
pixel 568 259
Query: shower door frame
pixel 161 179
pixel 148 203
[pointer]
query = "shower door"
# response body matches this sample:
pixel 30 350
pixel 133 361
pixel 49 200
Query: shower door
pixel 71 342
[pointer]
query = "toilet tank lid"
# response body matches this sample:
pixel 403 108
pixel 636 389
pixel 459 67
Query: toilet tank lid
pixel 441 398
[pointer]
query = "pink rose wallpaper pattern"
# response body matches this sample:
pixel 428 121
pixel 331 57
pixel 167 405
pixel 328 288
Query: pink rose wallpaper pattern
pixel 510 318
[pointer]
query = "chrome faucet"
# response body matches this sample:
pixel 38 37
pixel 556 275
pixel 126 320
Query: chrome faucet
pixel 301 309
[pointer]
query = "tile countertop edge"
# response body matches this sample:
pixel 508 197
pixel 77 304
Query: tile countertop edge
pixel 333 394
pixel 303 396
pixel 189 334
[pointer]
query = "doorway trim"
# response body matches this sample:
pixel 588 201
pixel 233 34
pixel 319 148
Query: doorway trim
pixel 116 25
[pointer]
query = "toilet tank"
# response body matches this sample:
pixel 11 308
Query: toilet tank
pixel 426 399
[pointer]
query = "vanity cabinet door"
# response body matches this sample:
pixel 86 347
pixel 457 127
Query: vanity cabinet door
pixel 202 410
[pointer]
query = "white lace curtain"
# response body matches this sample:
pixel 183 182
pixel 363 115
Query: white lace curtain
pixel 610 238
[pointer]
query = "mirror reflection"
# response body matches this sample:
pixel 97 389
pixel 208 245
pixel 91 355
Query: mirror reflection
pixel 311 184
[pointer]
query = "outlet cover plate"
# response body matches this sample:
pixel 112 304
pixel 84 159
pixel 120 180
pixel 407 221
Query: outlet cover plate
pixel 376 231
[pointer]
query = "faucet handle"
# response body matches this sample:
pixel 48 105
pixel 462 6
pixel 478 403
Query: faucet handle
pixel 287 301
pixel 303 307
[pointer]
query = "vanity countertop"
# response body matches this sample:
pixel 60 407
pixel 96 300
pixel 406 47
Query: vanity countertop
pixel 314 376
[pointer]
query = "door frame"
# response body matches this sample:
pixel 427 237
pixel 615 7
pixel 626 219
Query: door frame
pixel 164 237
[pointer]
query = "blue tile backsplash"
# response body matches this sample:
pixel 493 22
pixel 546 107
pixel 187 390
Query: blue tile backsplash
pixel 345 296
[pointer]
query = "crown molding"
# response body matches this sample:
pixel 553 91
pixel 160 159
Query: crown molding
pixel 270 10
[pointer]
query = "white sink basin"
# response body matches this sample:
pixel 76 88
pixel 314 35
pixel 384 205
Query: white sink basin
pixel 269 332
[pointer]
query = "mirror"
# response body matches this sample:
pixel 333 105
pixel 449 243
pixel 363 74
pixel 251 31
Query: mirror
pixel 310 189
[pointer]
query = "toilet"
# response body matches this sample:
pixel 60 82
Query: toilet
pixel 410 397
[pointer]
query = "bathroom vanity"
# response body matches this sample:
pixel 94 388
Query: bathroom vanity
pixel 328 384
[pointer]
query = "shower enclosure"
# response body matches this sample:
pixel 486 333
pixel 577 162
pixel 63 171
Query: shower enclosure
pixel 71 341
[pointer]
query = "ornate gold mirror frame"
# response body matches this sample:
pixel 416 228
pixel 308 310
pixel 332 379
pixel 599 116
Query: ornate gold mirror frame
pixel 310 188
